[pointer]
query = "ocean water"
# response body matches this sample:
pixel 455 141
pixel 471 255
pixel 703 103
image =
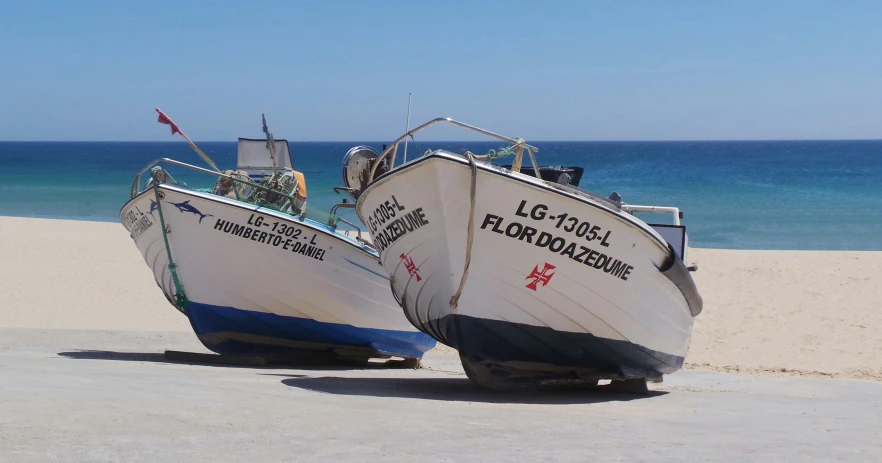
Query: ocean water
pixel 736 195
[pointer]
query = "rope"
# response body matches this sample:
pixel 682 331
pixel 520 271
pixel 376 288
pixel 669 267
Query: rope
pixel 491 155
pixel 503 152
pixel 180 297
pixel 454 301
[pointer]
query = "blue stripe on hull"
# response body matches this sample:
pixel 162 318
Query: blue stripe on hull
pixel 479 340
pixel 230 331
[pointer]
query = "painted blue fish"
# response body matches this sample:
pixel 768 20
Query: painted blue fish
pixel 186 207
pixel 153 207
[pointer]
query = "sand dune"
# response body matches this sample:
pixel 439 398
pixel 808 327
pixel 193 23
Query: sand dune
pixel 803 312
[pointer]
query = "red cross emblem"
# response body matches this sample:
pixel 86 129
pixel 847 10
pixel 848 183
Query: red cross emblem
pixel 411 269
pixel 540 277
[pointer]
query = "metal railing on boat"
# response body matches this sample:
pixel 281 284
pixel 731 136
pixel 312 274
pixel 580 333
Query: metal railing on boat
pixel 517 143
pixel 332 218
pixel 631 208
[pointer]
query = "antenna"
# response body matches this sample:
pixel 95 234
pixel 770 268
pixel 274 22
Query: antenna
pixel 270 142
pixel 407 127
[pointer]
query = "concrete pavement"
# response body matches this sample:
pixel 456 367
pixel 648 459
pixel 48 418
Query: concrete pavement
pixel 69 395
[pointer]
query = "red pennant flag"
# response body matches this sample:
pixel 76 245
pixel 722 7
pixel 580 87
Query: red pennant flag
pixel 163 119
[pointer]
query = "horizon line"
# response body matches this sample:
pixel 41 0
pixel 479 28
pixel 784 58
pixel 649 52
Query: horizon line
pixel 747 140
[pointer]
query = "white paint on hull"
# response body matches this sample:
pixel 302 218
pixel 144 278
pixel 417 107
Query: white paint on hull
pixel 429 198
pixel 337 281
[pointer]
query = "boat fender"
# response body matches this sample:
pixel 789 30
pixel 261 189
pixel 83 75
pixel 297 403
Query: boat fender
pixel 301 186
pixel 676 271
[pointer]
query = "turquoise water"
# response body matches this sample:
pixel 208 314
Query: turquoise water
pixel 738 195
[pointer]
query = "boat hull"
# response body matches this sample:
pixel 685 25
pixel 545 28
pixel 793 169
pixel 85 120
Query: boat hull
pixel 259 282
pixel 228 330
pixel 522 349
pixel 557 285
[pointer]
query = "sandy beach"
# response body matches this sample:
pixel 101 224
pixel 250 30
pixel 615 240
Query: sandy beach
pixel 790 312
pixel 765 312
pixel 67 274
pixel 791 337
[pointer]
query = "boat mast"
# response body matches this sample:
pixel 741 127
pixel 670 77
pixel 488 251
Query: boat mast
pixel 407 127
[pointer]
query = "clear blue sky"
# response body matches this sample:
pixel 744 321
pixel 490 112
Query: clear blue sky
pixel 341 70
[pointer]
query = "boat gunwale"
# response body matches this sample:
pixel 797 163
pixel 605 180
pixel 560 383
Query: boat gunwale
pixel 271 212
pixel 532 181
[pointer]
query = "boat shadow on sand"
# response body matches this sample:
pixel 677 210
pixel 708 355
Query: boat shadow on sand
pixel 456 389
pixel 213 360
pixel 452 389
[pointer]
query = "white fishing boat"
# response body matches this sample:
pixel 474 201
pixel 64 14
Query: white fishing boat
pixel 259 273
pixel 529 279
